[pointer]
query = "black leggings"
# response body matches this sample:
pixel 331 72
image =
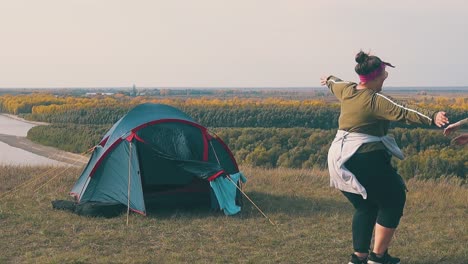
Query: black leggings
pixel 386 196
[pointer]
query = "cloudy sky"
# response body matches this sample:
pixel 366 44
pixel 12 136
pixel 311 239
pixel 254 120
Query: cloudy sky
pixel 236 43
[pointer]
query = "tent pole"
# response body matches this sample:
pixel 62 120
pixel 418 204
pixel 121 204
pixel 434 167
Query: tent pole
pixel 129 181
pixel 216 155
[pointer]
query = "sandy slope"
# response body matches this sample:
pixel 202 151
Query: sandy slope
pixel 48 152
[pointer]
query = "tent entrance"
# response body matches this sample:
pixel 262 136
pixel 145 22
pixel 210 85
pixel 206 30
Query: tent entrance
pixel 172 170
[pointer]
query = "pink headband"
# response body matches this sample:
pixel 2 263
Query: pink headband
pixel 374 74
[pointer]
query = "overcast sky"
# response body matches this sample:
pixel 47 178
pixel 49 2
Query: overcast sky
pixel 236 43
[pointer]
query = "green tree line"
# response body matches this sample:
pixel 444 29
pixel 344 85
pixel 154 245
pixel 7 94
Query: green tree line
pixel 428 152
pixel 69 137
pixel 322 117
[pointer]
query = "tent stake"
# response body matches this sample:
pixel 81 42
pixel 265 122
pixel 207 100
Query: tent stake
pixel 246 196
pixel 250 200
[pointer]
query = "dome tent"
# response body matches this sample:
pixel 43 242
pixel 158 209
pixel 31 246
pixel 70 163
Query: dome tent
pixel 157 153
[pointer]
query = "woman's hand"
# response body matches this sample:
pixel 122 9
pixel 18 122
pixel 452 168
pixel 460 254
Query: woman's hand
pixel 451 128
pixel 323 80
pixel 440 119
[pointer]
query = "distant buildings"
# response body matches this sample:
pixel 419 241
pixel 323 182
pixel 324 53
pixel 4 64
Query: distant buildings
pixel 96 94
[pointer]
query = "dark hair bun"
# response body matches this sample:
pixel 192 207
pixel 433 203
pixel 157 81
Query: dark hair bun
pixel 361 57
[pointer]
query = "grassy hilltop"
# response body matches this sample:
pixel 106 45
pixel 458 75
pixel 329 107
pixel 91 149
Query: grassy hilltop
pixel 313 224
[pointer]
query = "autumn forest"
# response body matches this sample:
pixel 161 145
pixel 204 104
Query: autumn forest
pixel 272 130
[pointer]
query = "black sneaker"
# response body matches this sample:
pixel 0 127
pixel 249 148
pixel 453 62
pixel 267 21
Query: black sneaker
pixel 385 259
pixel 356 260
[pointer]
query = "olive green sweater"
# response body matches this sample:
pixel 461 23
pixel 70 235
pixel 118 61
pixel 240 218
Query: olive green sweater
pixel 369 112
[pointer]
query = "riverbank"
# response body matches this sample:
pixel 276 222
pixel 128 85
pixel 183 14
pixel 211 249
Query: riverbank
pixel 16 149
pixel 43 151
pixel 14 117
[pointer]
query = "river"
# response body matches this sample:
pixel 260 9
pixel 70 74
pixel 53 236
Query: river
pixel 16 156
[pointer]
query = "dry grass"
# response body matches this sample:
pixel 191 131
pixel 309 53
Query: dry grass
pixel 313 225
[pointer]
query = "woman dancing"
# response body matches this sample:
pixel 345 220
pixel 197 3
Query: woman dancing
pixel 359 157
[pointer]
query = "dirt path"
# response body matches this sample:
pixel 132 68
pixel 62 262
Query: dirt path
pixel 45 151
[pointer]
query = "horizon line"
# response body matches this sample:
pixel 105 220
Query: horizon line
pixel 213 87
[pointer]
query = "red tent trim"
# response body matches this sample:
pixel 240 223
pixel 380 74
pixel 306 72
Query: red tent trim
pixel 213 177
pixel 138 212
pixel 104 141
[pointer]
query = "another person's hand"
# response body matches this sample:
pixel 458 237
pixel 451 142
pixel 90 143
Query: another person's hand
pixel 461 140
pixel 440 119
pixel 323 80
pixel 452 128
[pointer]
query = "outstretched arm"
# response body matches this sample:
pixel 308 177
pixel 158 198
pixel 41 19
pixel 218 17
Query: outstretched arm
pixel 336 85
pixel 455 126
pixel 388 108
pixel 462 139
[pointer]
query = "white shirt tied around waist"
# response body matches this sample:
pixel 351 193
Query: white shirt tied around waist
pixel 343 148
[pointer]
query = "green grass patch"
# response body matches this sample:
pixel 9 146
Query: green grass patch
pixel 313 224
